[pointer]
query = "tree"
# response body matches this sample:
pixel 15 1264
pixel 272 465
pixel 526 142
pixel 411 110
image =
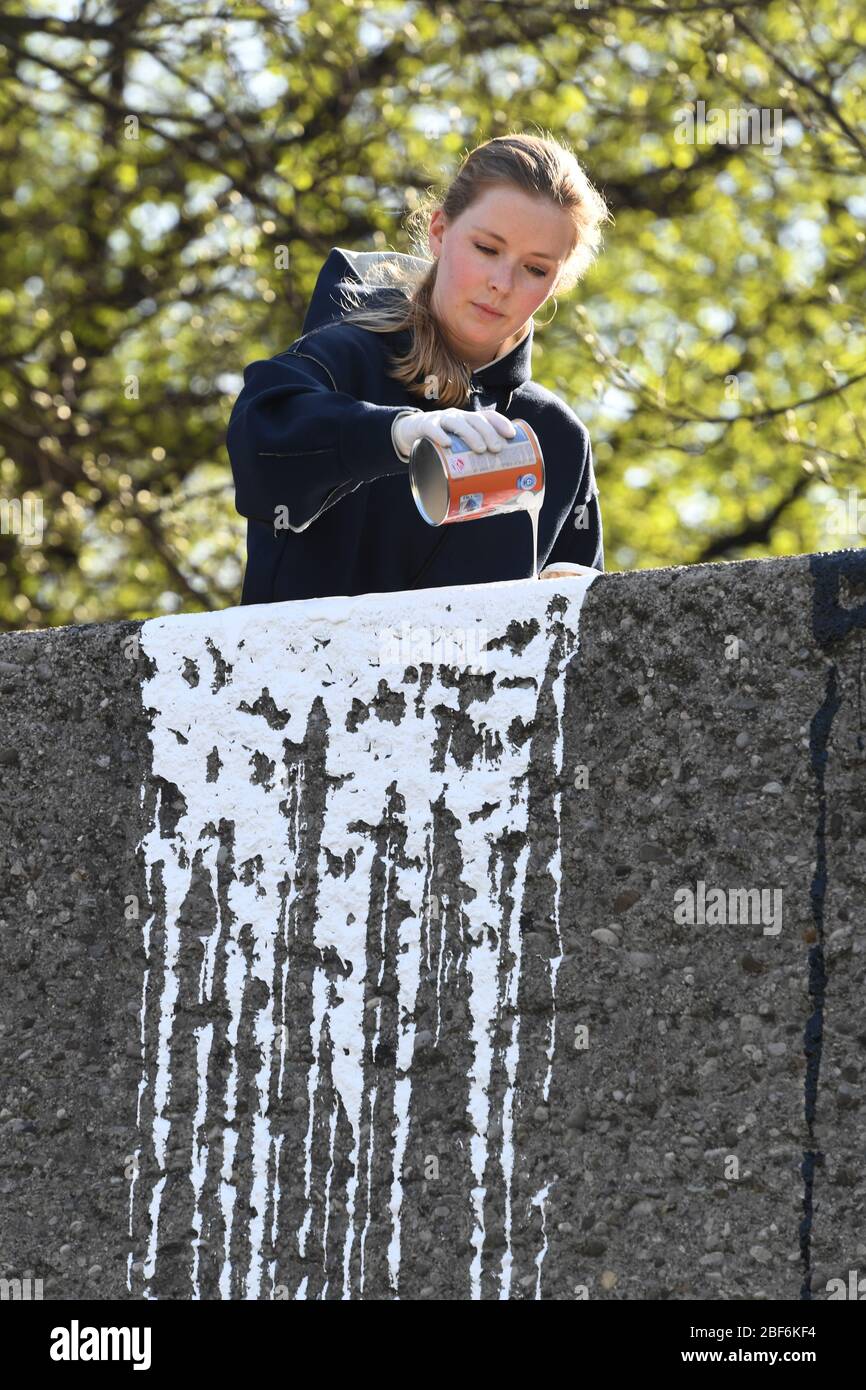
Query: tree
pixel 171 182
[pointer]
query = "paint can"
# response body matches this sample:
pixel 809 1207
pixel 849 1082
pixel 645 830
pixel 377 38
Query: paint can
pixel 458 483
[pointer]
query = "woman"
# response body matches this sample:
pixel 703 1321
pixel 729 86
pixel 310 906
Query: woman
pixel 319 437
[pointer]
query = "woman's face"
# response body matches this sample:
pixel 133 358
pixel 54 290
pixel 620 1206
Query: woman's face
pixel 504 251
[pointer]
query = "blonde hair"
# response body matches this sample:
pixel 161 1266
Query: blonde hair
pixel 540 166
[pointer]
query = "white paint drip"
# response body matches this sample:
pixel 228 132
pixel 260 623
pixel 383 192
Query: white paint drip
pixel 540 1201
pixel 556 871
pixel 324 653
pixel 511 1059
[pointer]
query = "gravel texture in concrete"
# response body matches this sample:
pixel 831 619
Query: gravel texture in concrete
pixel 503 942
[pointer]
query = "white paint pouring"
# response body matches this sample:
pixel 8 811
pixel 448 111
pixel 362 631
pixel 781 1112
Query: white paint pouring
pixel 336 865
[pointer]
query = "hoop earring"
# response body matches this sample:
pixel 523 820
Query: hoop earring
pixel 552 316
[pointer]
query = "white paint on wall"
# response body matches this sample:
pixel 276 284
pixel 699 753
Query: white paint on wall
pixel 314 660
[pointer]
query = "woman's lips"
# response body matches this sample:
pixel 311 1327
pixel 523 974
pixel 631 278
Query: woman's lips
pixel 488 313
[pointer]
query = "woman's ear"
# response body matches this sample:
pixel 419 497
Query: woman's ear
pixel 434 233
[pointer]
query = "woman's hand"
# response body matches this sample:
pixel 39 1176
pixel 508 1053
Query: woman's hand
pixel 480 430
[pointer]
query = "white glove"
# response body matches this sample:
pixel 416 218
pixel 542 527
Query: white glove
pixel 565 569
pixel 481 430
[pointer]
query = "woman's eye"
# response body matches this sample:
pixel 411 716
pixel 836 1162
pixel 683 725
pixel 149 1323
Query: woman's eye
pixel 489 251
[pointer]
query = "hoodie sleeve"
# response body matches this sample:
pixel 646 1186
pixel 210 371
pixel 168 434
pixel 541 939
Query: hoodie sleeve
pixel 580 538
pixel 295 440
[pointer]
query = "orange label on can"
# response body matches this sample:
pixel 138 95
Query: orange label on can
pixel 480 484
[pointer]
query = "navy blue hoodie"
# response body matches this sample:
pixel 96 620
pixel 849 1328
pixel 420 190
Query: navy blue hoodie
pixel 327 497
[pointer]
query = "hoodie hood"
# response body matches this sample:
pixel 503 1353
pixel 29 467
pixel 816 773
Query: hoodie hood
pixel 348 267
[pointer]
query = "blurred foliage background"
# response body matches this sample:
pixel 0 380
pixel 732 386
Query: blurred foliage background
pixel 173 176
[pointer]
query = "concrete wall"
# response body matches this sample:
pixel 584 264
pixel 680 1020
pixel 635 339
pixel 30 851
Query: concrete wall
pixel 345 965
